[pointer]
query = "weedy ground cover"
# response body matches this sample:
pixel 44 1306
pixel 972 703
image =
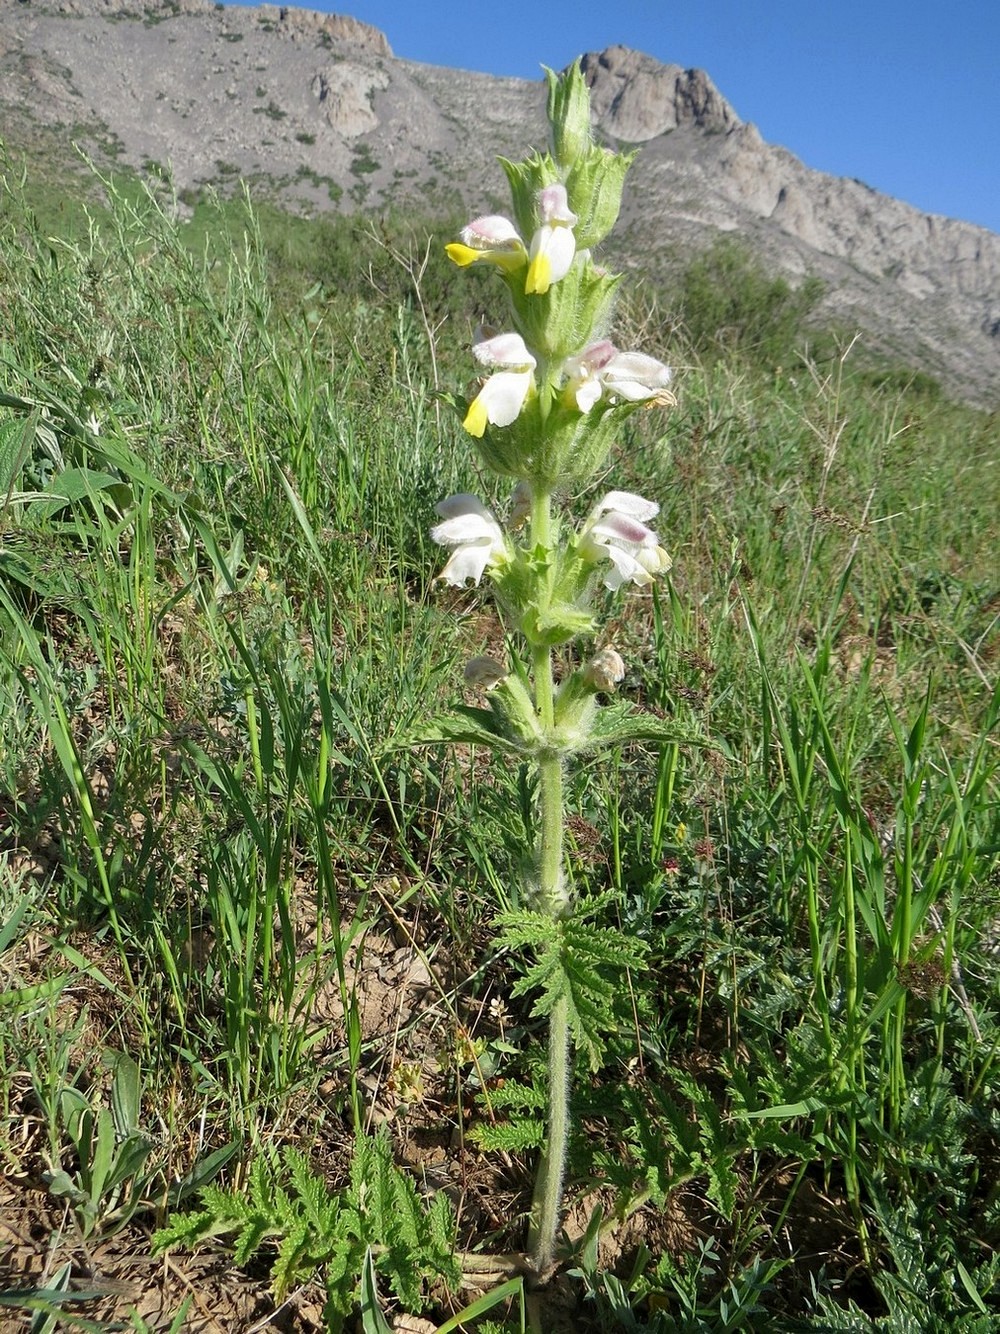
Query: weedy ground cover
pixel 250 986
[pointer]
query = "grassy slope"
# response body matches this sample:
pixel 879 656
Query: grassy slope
pixel 218 623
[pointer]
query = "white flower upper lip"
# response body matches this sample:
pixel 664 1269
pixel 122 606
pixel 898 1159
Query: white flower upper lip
pixel 475 535
pixel 616 530
pixel 506 350
pixel 492 232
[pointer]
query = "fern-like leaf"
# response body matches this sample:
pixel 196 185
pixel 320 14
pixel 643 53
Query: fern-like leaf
pixel 578 963
pixel 508 1136
pixel 286 1203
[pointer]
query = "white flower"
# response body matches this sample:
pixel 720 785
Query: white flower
pixel 615 530
pixel 601 369
pixel 475 535
pixel 502 396
pixel 553 245
pixel 493 239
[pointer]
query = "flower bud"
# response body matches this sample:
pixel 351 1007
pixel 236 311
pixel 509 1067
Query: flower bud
pixel 604 670
pixel 483 673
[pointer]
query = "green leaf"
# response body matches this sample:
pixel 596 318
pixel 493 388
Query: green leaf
pixel 15 445
pixel 103 1154
pixel 578 963
pixel 126 1091
pixel 24 997
pixel 970 1287
pixel 787 1110
pixel 620 722
pixel 72 486
pixel 372 1320
pixel 514 1287
pixel 508 1136
pixel 203 1172
pixel 466 726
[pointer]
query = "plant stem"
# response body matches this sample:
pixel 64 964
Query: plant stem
pixel 553 899
pixel 546 1205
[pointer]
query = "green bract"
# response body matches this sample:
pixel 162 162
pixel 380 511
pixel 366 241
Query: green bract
pixel 527 180
pixel 594 186
pixel 565 318
pixel 568 110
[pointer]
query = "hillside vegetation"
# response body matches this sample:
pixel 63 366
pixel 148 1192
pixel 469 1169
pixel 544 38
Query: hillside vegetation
pixel 245 941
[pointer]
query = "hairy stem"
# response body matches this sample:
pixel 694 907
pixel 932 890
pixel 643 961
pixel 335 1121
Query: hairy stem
pixel 552 898
pixel 546 1206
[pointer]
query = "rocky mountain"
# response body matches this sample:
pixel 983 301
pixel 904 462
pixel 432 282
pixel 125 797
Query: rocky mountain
pixel 316 108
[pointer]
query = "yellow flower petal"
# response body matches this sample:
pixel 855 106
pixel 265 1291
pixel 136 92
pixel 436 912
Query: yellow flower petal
pixel 476 418
pixel 462 255
pixel 539 278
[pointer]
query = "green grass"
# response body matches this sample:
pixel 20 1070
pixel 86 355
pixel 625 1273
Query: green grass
pixel 217 628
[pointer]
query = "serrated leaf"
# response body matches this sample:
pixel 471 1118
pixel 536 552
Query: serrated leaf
pixel 722 1185
pixel 466 726
pixel 575 962
pixel 621 722
pixel 508 1137
pixel 252 1234
pixel 507 725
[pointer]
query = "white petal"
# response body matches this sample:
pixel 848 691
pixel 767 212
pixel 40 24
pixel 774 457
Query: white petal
pixel 591 360
pixel 559 245
pixel 463 503
pixel 622 530
pixel 503 396
pixel 629 390
pixel 553 203
pixel 507 350
pixel 464 528
pixel 490 233
pixel 624 568
pixel 588 393
pixel 626 502
pixel 637 367
pixel 467 562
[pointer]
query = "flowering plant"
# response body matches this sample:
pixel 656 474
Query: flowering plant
pixel 556 393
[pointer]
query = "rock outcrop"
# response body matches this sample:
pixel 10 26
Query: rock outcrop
pixel 635 98
pixel 317 107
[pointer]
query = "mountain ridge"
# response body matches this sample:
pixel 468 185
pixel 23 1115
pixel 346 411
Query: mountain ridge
pixel 316 107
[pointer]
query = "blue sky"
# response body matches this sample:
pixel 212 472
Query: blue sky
pixel 902 94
